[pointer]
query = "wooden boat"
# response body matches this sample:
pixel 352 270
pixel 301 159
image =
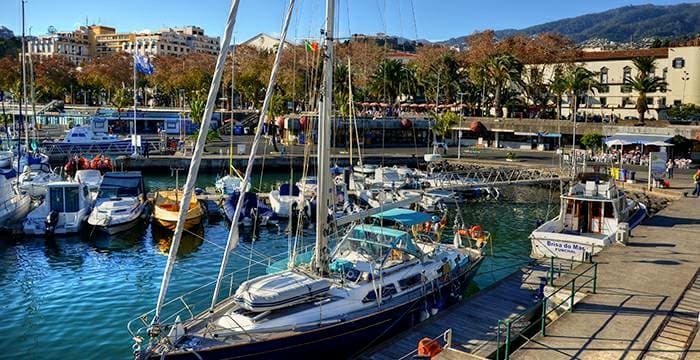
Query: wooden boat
pixel 167 206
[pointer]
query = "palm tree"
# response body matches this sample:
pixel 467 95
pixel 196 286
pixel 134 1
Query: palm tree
pixel 120 100
pixel 504 70
pixel 557 86
pixel 578 82
pixel 393 79
pixel 645 82
pixel 197 104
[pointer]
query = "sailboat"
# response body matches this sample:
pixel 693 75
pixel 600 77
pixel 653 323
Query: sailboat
pixel 377 280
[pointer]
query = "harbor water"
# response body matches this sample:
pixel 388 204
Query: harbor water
pixel 72 297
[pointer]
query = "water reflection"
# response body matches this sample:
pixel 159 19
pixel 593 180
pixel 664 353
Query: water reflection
pixel 64 252
pixel 191 240
pixel 123 241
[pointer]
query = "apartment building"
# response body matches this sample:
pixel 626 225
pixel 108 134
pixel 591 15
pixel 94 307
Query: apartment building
pixel 74 45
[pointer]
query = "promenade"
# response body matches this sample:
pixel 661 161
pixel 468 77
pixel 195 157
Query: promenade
pixel 638 287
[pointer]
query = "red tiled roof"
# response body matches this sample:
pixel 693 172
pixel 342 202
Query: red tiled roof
pixel 619 54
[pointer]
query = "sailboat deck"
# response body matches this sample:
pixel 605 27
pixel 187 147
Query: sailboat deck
pixel 474 322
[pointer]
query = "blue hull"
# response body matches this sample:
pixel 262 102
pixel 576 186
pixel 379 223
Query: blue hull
pixel 341 340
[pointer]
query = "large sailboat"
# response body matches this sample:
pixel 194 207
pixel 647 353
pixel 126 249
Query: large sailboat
pixel 378 279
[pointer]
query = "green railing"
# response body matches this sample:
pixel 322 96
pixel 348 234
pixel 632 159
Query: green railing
pixel 521 326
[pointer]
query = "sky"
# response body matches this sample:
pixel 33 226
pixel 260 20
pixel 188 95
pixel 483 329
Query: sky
pixel 413 19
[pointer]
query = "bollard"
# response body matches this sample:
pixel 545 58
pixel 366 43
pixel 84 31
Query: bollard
pixel 551 271
pixel 595 276
pixel 544 317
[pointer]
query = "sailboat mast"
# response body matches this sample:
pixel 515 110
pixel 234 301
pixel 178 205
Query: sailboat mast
pixel 23 97
pixel 320 264
pixel 232 240
pixel 350 107
pixel 31 88
pixel 196 158
pixel 230 143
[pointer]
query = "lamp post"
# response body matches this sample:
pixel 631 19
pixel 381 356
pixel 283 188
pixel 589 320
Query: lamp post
pixel 685 77
pixel 459 134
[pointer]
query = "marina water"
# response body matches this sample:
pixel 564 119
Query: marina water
pixel 72 297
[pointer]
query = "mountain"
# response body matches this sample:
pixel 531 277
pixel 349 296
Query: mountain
pixel 625 24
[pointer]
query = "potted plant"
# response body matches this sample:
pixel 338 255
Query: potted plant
pixel 511 156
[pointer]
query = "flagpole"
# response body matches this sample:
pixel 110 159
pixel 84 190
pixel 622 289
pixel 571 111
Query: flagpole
pixel 134 133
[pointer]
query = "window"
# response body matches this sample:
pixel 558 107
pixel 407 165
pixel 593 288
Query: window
pixel 677 103
pixel 650 101
pixel 387 292
pixel 603 101
pixel 410 282
pixel 662 102
pixel 603 75
pixel 626 75
pixel 56 196
pixel 678 63
pixel 72 199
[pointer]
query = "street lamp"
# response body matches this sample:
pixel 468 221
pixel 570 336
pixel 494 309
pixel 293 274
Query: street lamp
pixel 459 134
pixel 685 79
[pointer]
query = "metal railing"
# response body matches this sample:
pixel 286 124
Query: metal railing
pixel 521 326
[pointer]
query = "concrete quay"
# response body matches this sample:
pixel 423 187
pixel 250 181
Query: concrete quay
pixel 639 286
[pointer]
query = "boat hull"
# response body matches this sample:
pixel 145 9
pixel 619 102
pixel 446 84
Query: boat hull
pixel 189 223
pixel 344 339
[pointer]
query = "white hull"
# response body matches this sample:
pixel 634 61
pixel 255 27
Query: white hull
pixel 68 223
pixel 15 210
pixel 282 204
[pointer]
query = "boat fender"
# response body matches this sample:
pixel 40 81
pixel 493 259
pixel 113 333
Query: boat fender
pixel 475 232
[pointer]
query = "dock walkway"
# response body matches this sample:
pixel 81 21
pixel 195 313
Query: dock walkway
pixel 474 322
pixel 639 289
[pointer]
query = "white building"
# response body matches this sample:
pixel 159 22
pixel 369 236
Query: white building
pixel 264 42
pixel 173 41
pixel 73 45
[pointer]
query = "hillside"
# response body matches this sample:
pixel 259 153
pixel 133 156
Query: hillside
pixel 625 24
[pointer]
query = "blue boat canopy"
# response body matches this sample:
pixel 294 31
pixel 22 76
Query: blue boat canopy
pixel 383 237
pixel 630 139
pixel 405 217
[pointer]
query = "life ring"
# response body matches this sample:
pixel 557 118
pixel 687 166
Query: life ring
pixel 475 232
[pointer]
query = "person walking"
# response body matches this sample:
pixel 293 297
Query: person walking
pixel 669 169
pixel 696 179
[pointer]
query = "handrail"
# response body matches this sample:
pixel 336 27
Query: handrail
pixel 548 300
pixel 446 336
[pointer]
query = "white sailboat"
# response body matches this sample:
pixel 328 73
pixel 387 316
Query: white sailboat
pixel 375 281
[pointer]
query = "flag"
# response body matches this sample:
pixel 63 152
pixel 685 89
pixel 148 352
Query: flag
pixel 143 64
pixel 311 46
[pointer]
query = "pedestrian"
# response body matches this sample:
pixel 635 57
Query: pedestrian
pixel 669 168
pixel 696 179
pixel 146 149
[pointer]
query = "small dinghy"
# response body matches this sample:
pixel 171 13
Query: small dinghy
pixel 229 184
pixel 167 206
pixel 90 177
pixel 282 201
pixel 280 290
pixel 254 210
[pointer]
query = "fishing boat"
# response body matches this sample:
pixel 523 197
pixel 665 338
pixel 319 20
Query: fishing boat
pixel 67 206
pixel 121 202
pixel 166 206
pixel 14 204
pixel 592 213
pixel 377 280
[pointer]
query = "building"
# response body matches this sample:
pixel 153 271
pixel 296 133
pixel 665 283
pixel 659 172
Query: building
pixel 173 41
pixel 75 45
pixel 264 42
pixel 94 40
pixel 401 56
pixel 678 66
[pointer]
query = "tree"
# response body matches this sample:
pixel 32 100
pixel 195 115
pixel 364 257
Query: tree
pixel 10 77
pixel 577 82
pixel 197 104
pixel 535 88
pixel 504 71
pixel 645 82
pixel 54 76
pixel 592 140
pixel 444 123
pixel 391 80
pixel 120 100
pixel 557 86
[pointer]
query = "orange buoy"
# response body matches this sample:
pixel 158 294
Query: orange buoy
pixel 428 347
pixel 475 232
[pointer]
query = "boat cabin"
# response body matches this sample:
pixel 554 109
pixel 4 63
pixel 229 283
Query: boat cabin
pixel 592 205
pixel 67 197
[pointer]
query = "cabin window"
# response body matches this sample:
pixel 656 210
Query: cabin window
pixel 608 210
pixel 86 192
pixel 56 196
pixel 387 291
pixel 72 199
pixel 570 207
pixel 409 282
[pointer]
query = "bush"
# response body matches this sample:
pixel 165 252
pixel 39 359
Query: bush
pixel 592 140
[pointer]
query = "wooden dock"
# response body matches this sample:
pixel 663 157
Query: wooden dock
pixel 474 322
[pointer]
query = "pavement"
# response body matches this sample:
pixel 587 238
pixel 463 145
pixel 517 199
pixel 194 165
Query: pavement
pixel 638 285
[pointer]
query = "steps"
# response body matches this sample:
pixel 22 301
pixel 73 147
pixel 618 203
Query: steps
pixel 680 327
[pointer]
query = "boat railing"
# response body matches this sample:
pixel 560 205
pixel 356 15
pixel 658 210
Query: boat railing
pixel 187 305
pixel 560 299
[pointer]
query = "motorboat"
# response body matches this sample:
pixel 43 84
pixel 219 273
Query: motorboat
pixel 255 211
pixel 594 213
pixel 7 168
pixel 432 199
pixel 14 204
pixel 64 211
pixel 34 179
pixel 229 184
pixel 286 199
pixel 92 178
pixel 166 208
pixel 84 139
pixel 121 202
